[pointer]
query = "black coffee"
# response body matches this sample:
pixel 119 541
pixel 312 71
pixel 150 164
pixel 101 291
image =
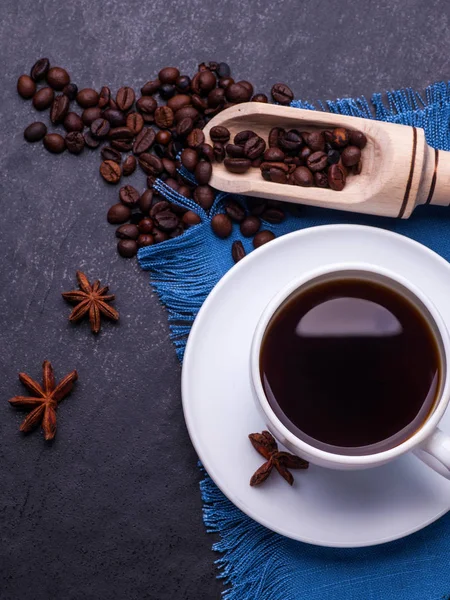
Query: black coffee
pixel 350 366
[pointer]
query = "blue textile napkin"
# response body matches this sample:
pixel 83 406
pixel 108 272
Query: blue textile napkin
pixel 257 563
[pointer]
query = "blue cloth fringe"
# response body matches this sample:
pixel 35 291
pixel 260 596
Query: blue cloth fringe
pixel 257 563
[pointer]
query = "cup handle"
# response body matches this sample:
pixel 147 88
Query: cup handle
pixel 435 452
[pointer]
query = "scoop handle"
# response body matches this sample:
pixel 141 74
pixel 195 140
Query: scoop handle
pixel 435 188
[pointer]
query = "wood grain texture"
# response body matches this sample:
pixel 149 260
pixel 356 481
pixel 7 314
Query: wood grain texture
pixel 399 169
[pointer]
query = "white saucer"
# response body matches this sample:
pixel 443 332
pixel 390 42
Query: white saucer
pixel 324 507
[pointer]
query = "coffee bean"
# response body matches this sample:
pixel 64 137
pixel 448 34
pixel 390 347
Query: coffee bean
pixel 249 226
pixel 26 87
pixel 333 156
pixel 262 238
pixel 129 166
pixel 145 225
pixel 150 164
pixel 104 97
pixel 59 109
pixel 179 101
pixel 223 70
pixel 237 93
pixel 315 140
pixel 109 153
pixel 127 232
pixel 135 122
pixel 291 141
pixel 191 218
pixel 166 220
pixel 235 151
pixel 75 142
pixel 89 115
pixel 144 140
pixel 204 195
pixel 339 137
pixel 170 181
pixel 237 165
pixel 219 152
pixel 242 137
pixel 357 138
pixel 116 118
pixel 129 196
pixel 57 78
pixel 118 213
pixel 159 236
pixel 273 215
pixel 257 206
pixel 235 211
pixel 110 171
pixel 206 82
pixel 53 142
pixel 179 230
pixel 168 75
pixel 189 159
pixel 70 90
pixel 127 248
pixel 147 106
pixel 151 180
pixel 90 141
pixel 184 127
pixel 120 133
pixel 182 83
pixel 276 172
pixel 184 191
pixel 260 98
pixel 166 91
pixel 254 147
pixel 186 112
pixel 237 251
pixel 275 134
pixel 164 117
pixel 125 98
pixel 39 69
pixel 160 206
pixel 224 82
pixel 122 145
pixel 336 177
pixel 163 137
pixel 357 168
pixel 293 161
pixel 317 161
pixel 87 97
pixel 35 132
pixel 302 176
pixel 100 128
pixel 145 239
pixel 321 179
pixel 203 172
pixel 274 154
pixel 195 138
pixel 222 226
pixel 151 87
pixel 216 98
pixel 350 156
pixel 282 94
pixel 169 167
pixel 257 162
pixel 145 201
pixel 206 152
pixel 43 98
pixel 219 134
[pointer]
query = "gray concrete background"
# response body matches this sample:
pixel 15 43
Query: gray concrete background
pixel 112 510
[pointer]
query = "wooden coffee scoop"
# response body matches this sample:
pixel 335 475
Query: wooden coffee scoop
pixel 399 169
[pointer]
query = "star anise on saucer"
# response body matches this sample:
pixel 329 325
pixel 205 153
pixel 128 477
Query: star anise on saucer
pixel 45 399
pixel 266 445
pixel 92 300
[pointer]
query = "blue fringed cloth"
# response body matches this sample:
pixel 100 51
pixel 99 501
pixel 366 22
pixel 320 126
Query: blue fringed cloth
pixel 257 563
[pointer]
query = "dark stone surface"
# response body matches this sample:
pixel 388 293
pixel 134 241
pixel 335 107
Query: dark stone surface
pixel 112 510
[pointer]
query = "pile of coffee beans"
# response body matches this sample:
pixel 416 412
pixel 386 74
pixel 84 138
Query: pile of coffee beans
pixel 148 131
pixel 321 158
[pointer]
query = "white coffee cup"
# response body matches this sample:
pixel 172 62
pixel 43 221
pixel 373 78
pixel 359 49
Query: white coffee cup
pixel 429 443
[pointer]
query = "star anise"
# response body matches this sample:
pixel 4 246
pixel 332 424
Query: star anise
pixel 45 399
pixel 266 445
pixel 91 299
